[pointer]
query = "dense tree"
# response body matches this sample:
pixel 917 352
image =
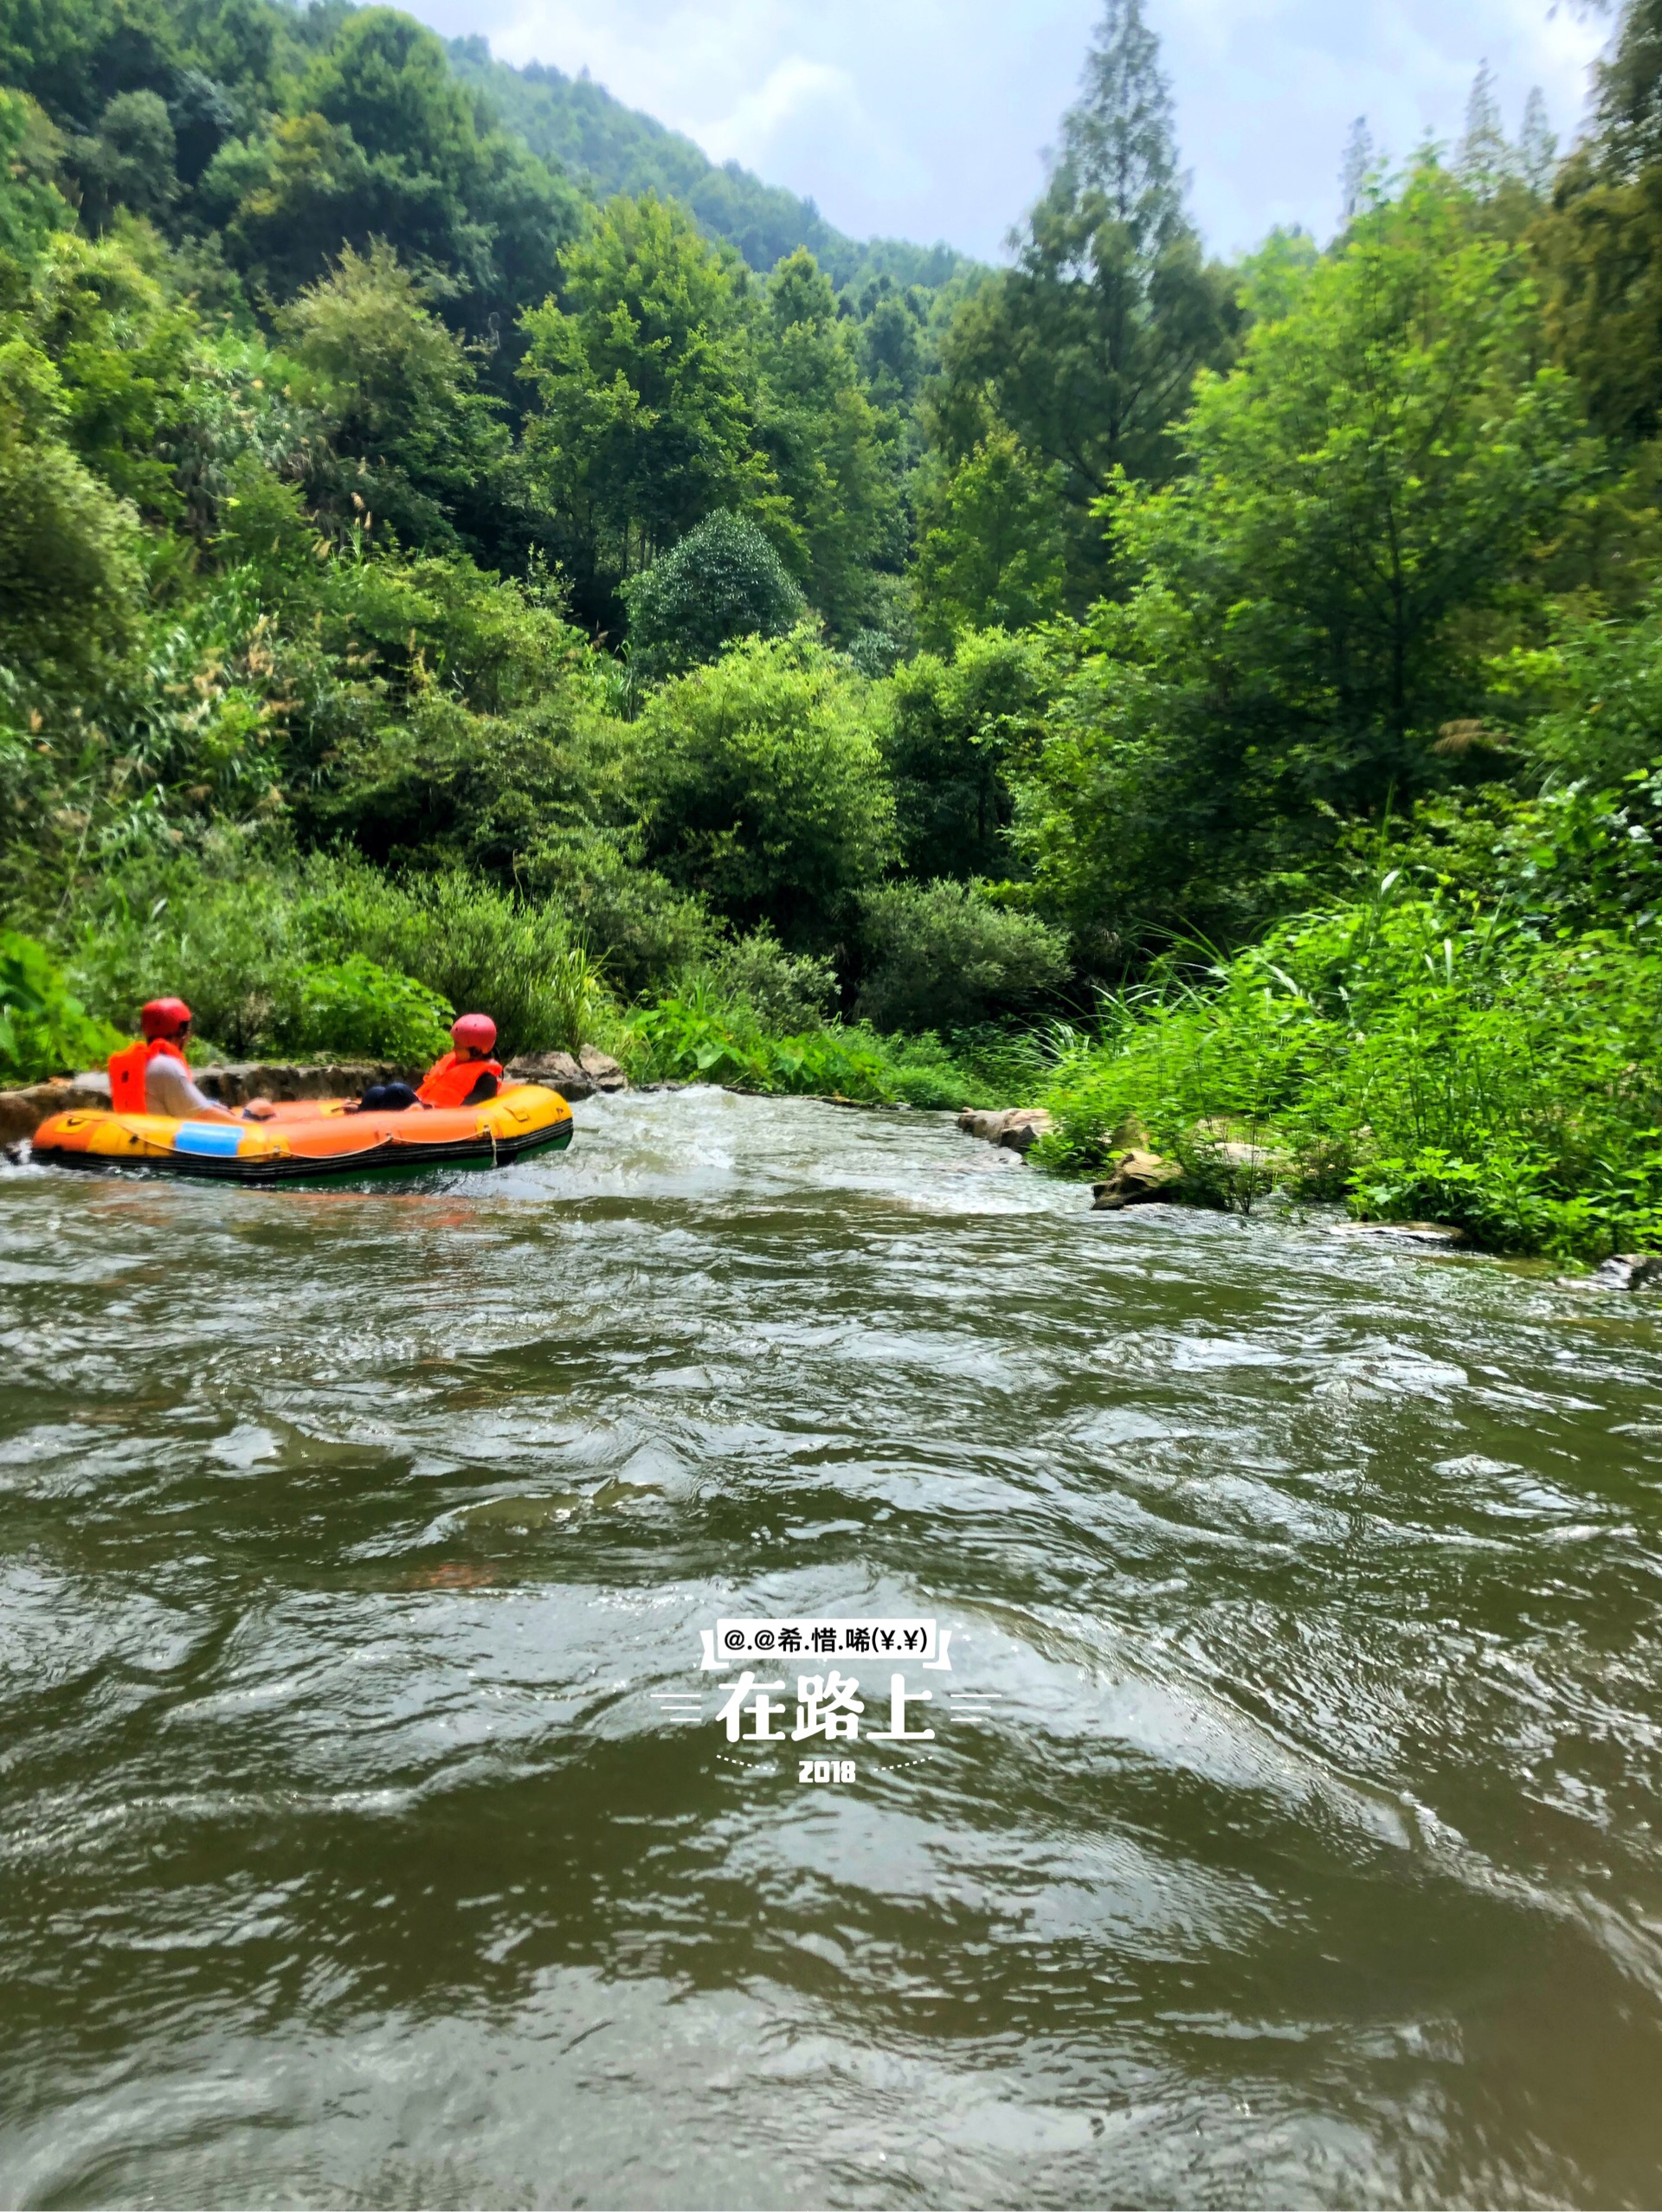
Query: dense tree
pixel 1308 612
pixel 378 140
pixel 722 581
pixel 645 377
pixel 1088 348
pixel 992 550
pixel 820 432
pixel 959 734
pixel 1601 244
pixel 132 162
pixel 414 443
pixel 31 206
pixel 69 547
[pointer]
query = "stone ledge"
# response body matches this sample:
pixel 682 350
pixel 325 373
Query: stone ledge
pixel 1017 1128
pixel 573 1078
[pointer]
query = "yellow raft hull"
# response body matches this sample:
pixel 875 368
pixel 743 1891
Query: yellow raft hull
pixel 315 1139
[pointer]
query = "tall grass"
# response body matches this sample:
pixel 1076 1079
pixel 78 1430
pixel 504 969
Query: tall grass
pixel 703 1037
pixel 1411 1058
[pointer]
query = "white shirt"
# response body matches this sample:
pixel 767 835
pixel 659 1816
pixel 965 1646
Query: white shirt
pixel 169 1089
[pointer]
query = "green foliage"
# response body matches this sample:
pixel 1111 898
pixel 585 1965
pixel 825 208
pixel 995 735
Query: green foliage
pixel 992 551
pixel 767 792
pixel 1599 246
pixel 944 957
pixel 414 443
pixel 1312 612
pixel 645 385
pixel 787 992
pixel 822 436
pixel 723 581
pixel 578 1004
pixel 44 1029
pixel 1422 1054
pixel 130 163
pixel 703 1038
pixel 69 569
pixel 476 948
pixel 958 735
pixel 31 206
pixel 355 1006
pixel 330 957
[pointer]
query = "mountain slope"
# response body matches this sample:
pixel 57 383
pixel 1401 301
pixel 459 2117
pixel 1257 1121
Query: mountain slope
pixel 607 147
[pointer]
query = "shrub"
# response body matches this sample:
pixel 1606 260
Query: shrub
pixel 355 1006
pixel 44 1030
pixel 723 581
pixel 1414 1057
pixel 332 956
pixel 945 955
pixel 788 991
pixel 766 789
pixel 703 1038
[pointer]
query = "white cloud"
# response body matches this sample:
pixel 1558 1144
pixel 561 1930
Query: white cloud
pixel 925 119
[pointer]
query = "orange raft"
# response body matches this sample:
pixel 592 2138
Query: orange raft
pixel 315 1139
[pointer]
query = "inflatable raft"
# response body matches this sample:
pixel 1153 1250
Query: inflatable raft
pixel 315 1139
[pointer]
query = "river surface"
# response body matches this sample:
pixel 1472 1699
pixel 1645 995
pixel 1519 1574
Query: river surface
pixel 369 1834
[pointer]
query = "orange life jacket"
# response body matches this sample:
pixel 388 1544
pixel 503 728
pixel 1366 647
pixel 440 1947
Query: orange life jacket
pixel 451 1079
pixel 128 1069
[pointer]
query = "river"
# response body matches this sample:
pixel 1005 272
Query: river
pixel 370 1835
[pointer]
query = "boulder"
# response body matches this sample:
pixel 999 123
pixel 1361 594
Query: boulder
pixel 1015 1127
pixel 573 1078
pixel 1140 1178
pixel 23 1111
pixel 1258 1157
pixel 1629 1271
pixel 1439 1234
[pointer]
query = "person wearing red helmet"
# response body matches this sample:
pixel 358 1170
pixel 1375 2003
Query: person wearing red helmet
pixel 467 1075
pixel 154 1077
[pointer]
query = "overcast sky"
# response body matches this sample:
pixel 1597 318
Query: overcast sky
pixel 927 118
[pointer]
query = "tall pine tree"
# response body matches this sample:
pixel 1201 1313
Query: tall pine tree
pixel 1088 348
pixel 1484 161
pixel 1357 165
pixel 1600 245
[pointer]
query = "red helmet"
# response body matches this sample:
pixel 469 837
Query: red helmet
pixel 474 1031
pixel 163 1016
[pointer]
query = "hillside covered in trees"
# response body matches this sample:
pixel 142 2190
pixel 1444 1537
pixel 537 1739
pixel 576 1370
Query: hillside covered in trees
pixel 1224 701
pixel 575 125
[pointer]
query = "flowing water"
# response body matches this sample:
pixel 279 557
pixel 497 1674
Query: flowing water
pixel 1290 1827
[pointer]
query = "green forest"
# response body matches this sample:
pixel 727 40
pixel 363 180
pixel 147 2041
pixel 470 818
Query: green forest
pixel 458 548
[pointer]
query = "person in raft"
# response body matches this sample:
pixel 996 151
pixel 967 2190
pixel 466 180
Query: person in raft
pixel 152 1076
pixel 468 1076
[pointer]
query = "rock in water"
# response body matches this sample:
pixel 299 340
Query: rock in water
pixel 1139 1178
pixel 1629 1271
pixel 1015 1127
pixel 1439 1234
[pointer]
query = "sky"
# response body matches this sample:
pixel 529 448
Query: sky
pixel 929 118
